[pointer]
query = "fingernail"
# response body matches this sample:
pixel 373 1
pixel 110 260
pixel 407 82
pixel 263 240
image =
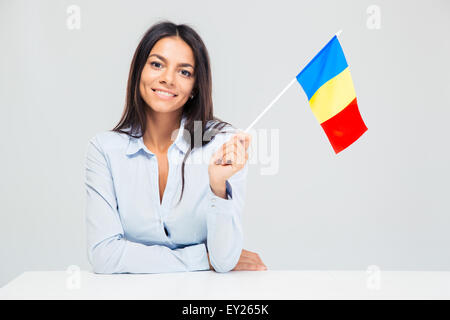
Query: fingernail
pixel 219 161
pixel 228 161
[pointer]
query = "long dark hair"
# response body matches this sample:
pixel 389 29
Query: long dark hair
pixel 200 108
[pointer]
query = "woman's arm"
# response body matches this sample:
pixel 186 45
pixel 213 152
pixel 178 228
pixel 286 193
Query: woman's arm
pixel 108 250
pixel 225 203
pixel 224 223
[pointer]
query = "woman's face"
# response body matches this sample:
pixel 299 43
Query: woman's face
pixel 169 68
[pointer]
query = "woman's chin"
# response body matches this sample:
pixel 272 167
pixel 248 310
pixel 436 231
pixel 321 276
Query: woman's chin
pixel 162 108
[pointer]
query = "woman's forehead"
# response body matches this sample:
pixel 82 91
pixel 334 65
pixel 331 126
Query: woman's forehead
pixel 173 49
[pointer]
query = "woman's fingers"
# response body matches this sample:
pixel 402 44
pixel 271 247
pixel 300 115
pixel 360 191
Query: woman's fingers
pixel 255 257
pixel 227 158
pixel 233 158
pixel 232 155
pixel 224 150
pixel 250 261
pixel 239 143
pixel 248 266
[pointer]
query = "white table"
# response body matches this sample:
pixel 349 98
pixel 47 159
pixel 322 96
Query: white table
pixel 237 285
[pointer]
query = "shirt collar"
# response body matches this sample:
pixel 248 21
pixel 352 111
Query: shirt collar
pixel 137 144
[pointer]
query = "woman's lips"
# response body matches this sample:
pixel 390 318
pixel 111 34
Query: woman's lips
pixel 163 96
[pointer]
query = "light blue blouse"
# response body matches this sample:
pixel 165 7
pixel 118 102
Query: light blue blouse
pixel 129 231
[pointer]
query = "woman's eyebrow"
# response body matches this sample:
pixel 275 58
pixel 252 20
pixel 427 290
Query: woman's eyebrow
pixel 165 60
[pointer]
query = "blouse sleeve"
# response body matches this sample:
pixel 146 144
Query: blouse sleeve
pixel 224 222
pixel 108 250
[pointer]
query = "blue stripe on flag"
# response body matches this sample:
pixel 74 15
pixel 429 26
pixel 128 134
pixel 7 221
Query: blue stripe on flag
pixel 327 64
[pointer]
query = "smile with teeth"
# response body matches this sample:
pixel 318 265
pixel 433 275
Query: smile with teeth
pixel 166 94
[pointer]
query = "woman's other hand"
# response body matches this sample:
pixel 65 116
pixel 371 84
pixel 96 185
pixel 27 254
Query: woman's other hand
pixel 248 261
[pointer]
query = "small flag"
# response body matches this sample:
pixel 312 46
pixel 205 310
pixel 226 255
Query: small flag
pixel 328 85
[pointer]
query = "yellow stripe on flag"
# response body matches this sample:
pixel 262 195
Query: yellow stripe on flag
pixel 333 96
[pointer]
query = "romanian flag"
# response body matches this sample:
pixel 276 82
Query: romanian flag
pixel 328 85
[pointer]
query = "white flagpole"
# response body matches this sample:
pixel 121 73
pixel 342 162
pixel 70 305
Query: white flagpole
pixel 271 104
pixel 277 97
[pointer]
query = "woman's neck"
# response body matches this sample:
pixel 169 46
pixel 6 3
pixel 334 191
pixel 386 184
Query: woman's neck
pixel 160 127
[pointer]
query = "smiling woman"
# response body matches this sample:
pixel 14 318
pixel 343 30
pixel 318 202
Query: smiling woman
pixel 133 178
pixel 160 71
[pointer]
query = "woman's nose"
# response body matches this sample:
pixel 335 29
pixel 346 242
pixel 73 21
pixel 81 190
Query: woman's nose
pixel 167 77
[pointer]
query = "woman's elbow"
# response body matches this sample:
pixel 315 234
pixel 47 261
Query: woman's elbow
pixel 222 268
pixel 224 265
pixel 100 263
pixel 104 258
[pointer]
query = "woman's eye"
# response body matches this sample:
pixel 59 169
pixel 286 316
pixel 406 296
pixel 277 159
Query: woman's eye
pixel 187 74
pixel 156 64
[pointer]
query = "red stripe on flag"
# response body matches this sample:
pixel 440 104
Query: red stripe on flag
pixel 345 127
